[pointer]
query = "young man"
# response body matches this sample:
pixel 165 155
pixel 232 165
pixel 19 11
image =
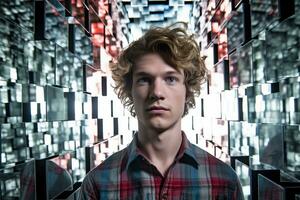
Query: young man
pixel 157 77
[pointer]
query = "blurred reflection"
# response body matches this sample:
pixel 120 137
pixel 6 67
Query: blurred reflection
pixel 56 104
pixel 59 170
pixel 243 172
pixel 268 189
pixel 41 61
pixel 243 138
pixel 263 13
pixel 64 63
pixel 219 76
pixel 231 105
pixel 292 150
pixel 83 44
pixel 271 145
pixel 56 28
pixel 19 12
pixel 283 56
pixel 240 66
pixel 57 179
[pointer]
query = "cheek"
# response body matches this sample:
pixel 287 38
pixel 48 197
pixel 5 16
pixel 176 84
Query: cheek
pixel 180 96
pixel 138 103
pixel 182 93
pixel 138 95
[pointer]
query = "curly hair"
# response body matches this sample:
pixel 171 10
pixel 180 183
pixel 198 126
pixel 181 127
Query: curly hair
pixel 176 47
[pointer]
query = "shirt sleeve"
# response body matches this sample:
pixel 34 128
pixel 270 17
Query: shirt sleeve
pixel 88 190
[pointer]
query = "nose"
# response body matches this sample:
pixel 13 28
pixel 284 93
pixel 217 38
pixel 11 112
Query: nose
pixel 157 90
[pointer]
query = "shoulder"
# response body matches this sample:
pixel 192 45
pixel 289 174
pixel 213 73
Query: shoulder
pixel 108 170
pixel 219 175
pixel 216 168
pixel 104 176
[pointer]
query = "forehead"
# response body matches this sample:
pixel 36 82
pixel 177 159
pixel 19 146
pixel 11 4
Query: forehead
pixel 152 63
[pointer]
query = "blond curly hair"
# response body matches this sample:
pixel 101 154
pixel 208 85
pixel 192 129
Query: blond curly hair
pixel 176 47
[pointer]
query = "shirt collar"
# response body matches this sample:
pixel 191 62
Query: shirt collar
pixel 186 151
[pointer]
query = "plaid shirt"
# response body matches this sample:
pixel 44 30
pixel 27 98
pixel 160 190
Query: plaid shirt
pixel 195 174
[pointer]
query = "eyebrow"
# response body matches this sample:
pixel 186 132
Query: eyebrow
pixel 142 73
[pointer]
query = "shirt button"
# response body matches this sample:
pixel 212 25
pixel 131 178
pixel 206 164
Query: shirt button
pixel 165 196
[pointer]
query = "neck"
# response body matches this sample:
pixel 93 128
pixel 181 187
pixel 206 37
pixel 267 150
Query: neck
pixel 160 147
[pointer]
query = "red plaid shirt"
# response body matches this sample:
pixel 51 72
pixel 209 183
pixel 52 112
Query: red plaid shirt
pixel 195 174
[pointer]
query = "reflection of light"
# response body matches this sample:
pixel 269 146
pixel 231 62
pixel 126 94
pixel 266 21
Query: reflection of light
pixel 246 190
pixel 98 40
pixel 183 13
pixel 78 108
pixel 75 164
pixel 223 38
pixel 97 28
pixel 105 58
pixel 259 104
pixel 33 108
pixel 214 27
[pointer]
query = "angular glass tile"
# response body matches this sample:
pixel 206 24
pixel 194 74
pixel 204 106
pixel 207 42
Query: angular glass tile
pixel 56 28
pixel 14 109
pixel 56 104
pixel 66 134
pixel 78 10
pixel 5 72
pixel 216 21
pixel 2 112
pixel 14 151
pixel 292 151
pixel 94 4
pixel 22 76
pixel 231 105
pixel 237 32
pixel 64 61
pixel 87 106
pixel 283 56
pixel 263 14
pixel 74 105
pixel 60 8
pixel 15 91
pixel 76 75
pixel 243 172
pixel 20 12
pixel 18 182
pixel 83 44
pixel 222 45
pixel 79 165
pixel 3 94
pixel 240 66
pixel 59 172
pixel 212 101
pixel 39 152
pixel 220 133
pixel 35 139
pixel 13 40
pixel 41 61
pixel 271 149
pixel 96 156
pixel 243 138
pixel 269 189
pixel 219 77
pixel 6 131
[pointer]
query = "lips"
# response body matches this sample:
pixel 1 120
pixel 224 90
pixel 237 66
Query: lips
pixel 157 108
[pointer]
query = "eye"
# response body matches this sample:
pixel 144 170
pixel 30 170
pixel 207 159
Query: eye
pixel 143 80
pixel 171 80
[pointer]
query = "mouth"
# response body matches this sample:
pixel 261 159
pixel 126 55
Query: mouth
pixel 156 109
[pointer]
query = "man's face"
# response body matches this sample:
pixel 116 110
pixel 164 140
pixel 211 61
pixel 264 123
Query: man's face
pixel 158 92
